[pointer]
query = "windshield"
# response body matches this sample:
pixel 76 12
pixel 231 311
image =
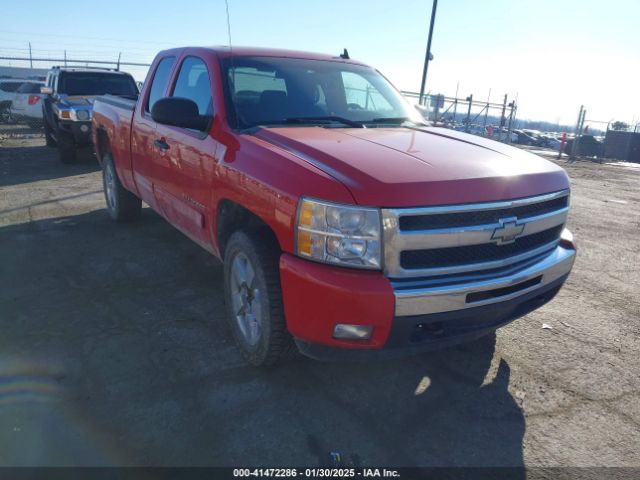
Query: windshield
pixel 97 83
pixel 271 91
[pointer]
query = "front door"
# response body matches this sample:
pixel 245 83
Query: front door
pixel 187 158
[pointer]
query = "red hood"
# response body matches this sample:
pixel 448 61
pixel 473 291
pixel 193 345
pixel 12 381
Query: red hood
pixel 402 167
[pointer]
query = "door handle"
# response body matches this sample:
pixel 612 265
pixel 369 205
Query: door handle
pixel 161 144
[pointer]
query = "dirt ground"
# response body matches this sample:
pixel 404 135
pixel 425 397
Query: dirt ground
pixel 114 350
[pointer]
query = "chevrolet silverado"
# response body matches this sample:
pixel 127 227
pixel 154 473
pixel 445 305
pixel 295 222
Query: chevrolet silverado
pixel 346 225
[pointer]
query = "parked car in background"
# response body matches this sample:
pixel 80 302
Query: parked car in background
pixel 525 139
pixel 501 134
pixel 549 141
pixel 345 225
pixel 68 103
pixel 8 88
pixel 27 104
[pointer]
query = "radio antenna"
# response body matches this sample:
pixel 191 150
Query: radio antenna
pixel 228 26
pixel 232 80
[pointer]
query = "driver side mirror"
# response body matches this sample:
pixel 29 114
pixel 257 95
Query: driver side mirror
pixel 46 90
pixel 179 112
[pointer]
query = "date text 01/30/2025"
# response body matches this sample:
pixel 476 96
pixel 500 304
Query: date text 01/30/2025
pixel 315 473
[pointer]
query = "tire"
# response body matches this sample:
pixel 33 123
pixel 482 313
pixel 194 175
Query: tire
pixel 252 282
pixel 122 205
pixel 66 148
pixel 47 135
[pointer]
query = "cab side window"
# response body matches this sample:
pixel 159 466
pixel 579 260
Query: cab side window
pixel 160 81
pixel 194 83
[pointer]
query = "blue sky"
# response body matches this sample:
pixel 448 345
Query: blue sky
pixel 555 55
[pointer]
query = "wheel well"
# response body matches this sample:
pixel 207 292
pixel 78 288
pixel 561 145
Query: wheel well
pixel 102 146
pixel 232 217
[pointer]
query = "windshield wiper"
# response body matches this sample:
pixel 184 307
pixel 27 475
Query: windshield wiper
pixel 319 119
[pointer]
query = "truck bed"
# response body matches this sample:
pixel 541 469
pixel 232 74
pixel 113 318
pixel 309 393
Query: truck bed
pixel 122 101
pixel 113 115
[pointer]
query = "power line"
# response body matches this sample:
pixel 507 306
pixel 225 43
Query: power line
pixel 120 40
pixel 100 49
pixel 69 60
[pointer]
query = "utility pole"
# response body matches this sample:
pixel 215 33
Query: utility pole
pixel 455 104
pixel 468 120
pixel 428 55
pixel 30 56
pixel 118 66
pixel 486 113
pixel 503 120
pixel 572 155
pixel 512 113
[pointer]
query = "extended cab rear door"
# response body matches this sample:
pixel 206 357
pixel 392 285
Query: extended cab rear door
pixel 186 159
pixel 143 150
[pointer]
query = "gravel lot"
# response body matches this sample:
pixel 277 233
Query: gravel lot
pixel 114 350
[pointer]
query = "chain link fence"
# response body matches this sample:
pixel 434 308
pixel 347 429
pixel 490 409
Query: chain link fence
pixel 20 96
pixel 479 117
pixel 21 114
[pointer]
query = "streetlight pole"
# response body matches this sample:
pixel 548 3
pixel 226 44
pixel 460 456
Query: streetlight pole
pixel 427 56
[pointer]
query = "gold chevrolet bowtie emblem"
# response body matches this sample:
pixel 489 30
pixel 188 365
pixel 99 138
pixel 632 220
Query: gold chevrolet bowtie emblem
pixel 507 232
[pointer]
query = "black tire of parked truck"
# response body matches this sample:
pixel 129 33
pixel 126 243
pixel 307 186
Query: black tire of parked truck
pixel 51 142
pixel 122 205
pixel 254 298
pixel 66 147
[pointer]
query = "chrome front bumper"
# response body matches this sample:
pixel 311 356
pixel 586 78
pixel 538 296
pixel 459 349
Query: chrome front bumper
pixel 436 299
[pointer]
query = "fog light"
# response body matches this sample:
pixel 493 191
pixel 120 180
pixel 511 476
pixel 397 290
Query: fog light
pixel 84 128
pixel 566 240
pixel 352 332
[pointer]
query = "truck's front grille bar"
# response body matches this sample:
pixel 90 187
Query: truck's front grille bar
pixel 466 219
pixel 453 256
pixel 478 237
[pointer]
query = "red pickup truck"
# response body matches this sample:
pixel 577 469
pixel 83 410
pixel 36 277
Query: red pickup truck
pixel 347 226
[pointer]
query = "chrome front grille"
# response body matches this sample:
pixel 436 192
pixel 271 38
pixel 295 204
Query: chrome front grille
pixel 457 239
pixel 453 256
pixel 480 217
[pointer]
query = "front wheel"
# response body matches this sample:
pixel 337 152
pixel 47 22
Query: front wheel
pixel 51 142
pixel 122 205
pixel 254 298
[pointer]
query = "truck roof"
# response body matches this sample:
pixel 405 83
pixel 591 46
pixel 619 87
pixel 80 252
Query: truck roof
pixel 225 52
pixel 88 69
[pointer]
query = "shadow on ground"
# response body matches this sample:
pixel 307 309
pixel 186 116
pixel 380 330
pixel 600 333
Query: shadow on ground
pixel 32 163
pixel 114 350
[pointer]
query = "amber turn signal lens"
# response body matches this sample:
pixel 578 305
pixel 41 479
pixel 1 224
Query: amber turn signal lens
pixel 306 215
pixel 304 243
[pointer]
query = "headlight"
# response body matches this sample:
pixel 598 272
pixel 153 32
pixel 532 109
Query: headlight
pixel 82 115
pixel 338 234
